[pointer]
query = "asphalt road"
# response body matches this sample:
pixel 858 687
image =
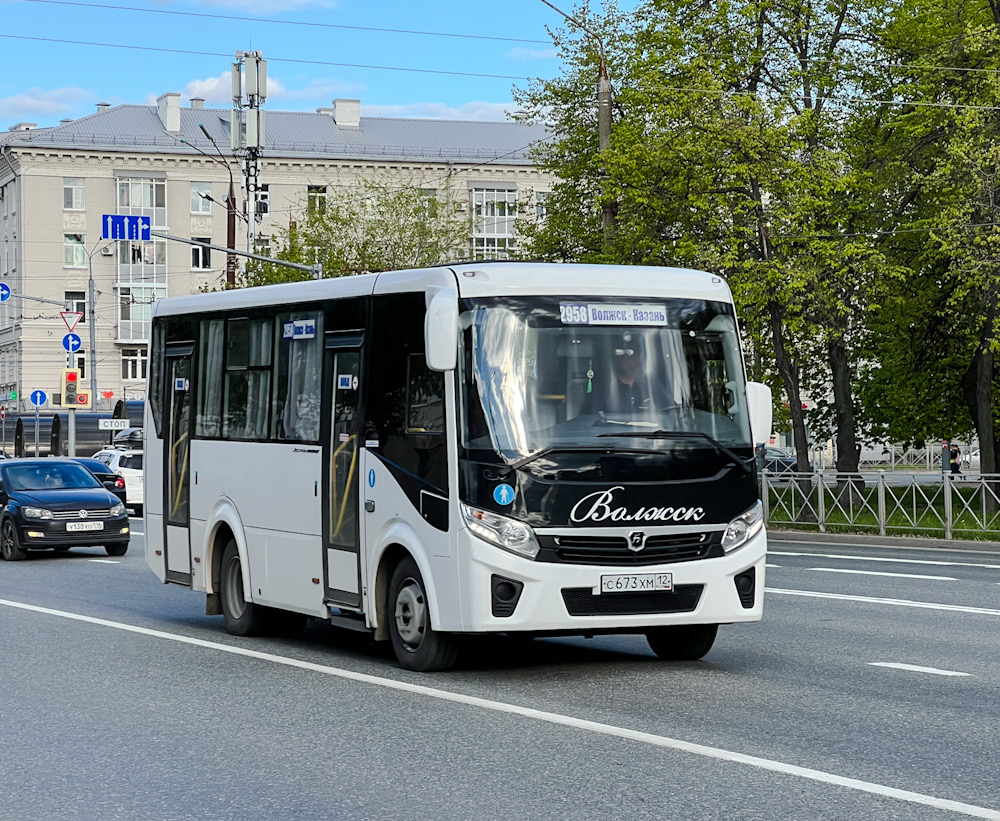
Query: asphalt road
pixel 869 691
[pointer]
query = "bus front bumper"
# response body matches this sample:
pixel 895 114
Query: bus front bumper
pixel 567 598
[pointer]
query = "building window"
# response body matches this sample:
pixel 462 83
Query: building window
pixel 263 199
pixel 201 257
pixel 77 301
pixel 134 361
pixel 74 198
pixel 135 308
pixel 429 202
pixel 262 246
pixel 74 251
pixel 79 361
pixel 199 192
pixel 140 197
pixel 494 213
pixel 541 210
pixel 316 197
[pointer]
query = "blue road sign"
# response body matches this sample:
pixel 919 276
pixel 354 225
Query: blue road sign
pixel 4 292
pixel 72 343
pixel 38 398
pixel 121 227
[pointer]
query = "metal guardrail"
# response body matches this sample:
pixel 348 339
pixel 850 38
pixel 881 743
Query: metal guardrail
pixel 950 506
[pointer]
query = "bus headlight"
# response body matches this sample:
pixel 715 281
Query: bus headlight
pixel 509 534
pixel 743 528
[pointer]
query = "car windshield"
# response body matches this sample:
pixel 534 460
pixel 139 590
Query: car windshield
pixel 544 372
pixel 48 477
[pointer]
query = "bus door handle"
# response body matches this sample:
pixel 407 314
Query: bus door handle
pixel 369 506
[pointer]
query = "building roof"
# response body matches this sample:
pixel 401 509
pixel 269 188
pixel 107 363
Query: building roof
pixel 293 134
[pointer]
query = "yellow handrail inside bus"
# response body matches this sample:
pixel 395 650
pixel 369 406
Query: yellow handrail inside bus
pixel 350 474
pixel 173 460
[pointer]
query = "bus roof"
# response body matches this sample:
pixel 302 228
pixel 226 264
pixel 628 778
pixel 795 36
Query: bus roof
pixel 473 279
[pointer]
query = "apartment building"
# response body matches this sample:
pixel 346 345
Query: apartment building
pixel 172 163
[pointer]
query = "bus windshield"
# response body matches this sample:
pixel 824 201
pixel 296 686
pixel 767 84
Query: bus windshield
pixel 552 372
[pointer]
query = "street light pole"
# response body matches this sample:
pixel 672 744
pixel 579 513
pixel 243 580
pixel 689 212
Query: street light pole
pixel 230 204
pixel 609 207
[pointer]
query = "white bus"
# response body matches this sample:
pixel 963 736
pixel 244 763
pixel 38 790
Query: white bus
pixel 512 448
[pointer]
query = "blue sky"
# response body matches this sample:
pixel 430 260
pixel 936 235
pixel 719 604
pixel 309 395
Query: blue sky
pixel 42 81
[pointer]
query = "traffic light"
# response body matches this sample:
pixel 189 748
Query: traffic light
pixel 70 384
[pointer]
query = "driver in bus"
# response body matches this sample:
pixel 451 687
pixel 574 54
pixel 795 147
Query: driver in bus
pixel 626 390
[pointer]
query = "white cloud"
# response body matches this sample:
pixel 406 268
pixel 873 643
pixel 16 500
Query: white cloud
pixel 220 89
pixel 38 104
pixel 439 111
pixel 520 53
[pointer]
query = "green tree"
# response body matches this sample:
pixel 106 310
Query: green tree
pixel 377 226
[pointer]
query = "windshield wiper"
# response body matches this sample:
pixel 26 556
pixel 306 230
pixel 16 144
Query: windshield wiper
pixel 510 467
pixel 686 434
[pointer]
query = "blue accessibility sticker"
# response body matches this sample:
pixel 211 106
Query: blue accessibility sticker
pixel 503 494
pixel 371 478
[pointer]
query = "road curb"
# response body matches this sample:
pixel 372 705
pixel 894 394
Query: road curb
pixel 804 536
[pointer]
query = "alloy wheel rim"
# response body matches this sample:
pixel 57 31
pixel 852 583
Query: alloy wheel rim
pixel 234 590
pixel 411 614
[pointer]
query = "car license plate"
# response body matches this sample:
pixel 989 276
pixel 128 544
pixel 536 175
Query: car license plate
pixel 635 582
pixel 75 526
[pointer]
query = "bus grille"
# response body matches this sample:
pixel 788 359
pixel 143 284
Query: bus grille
pixel 581 601
pixel 614 550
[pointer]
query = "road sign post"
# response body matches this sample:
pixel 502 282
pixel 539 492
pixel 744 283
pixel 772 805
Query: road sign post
pixel 38 398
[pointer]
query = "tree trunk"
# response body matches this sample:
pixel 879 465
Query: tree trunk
pixel 848 451
pixel 789 373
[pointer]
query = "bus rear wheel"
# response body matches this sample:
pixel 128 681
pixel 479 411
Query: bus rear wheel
pixel 243 618
pixel 418 646
pixel 683 642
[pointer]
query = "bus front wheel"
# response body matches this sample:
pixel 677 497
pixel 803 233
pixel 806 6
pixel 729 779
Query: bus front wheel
pixel 243 618
pixel 418 646
pixel 683 642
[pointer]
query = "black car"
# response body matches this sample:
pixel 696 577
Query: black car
pixel 107 477
pixel 57 504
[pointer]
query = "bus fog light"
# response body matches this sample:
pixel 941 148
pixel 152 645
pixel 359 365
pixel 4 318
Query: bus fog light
pixel 743 528
pixel 510 534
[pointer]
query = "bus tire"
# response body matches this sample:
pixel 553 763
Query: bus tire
pixel 242 618
pixel 12 551
pixel 682 642
pixel 418 646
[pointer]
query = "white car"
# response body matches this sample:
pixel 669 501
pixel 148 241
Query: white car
pixel 127 463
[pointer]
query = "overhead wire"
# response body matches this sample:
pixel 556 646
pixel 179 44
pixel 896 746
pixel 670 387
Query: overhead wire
pixel 305 23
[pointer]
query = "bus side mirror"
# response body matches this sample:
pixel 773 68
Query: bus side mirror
pixel 759 402
pixel 441 330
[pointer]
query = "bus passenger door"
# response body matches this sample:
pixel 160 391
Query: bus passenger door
pixel 177 443
pixel 342 560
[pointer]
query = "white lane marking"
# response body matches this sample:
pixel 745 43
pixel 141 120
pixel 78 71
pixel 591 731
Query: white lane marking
pixel 105 561
pixel 541 715
pixel 138 533
pixel 913 668
pixel 883 559
pixel 956 608
pixel 879 573
pixel 779 567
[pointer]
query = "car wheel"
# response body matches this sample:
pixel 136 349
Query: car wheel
pixel 243 618
pixel 684 642
pixel 12 551
pixel 418 646
pixel 116 549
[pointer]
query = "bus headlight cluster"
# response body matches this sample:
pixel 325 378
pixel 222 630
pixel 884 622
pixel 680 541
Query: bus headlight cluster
pixel 743 528
pixel 509 534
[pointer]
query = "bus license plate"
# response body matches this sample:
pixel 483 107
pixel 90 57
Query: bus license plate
pixel 72 526
pixel 636 582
